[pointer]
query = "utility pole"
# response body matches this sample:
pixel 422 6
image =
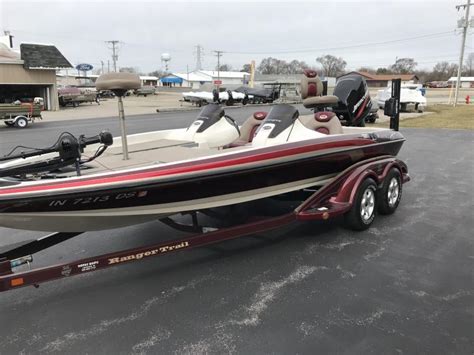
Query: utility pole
pixel 114 48
pixel 108 66
pixel 199 54
pixel 463 45
pixel 218 55
pixel 102 64
pixel 187 73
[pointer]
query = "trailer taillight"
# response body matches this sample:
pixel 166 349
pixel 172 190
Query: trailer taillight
pixel 17 282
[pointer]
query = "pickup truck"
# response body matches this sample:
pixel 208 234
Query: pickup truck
pixel 74 96
pixel 145 90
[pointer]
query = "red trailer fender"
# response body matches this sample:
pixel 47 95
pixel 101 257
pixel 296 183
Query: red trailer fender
pixel 337 197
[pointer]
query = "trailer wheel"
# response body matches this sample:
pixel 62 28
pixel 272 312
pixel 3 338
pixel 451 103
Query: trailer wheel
pixel 21 122
pixel 390 194
pixel 363 210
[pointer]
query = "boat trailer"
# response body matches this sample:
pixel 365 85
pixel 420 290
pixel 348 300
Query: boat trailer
pixel 338 197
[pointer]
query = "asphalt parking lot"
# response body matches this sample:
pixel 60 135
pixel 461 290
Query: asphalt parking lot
pixel 404 286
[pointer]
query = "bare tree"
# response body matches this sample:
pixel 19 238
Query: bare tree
pixel 158 73
pixel 367 70
pixel 332 66
pixel 272 66
pixel 383 71
pixel 277 66
pixel 403 66
pixel 443 71
pixel 128 70
pixel 246 68
pixel 225 67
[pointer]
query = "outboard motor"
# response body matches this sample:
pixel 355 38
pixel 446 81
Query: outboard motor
pixel 354 100
pixel 212 128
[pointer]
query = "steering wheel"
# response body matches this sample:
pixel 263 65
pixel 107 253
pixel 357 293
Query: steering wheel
pixel 233 122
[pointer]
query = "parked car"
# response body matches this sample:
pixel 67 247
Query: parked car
pixel 105 94
pixel 437 84
pixel 145 90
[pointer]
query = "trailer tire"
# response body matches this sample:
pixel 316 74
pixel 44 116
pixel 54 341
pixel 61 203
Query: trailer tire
pixel 21 122
pixel 390 194
pixel 364 207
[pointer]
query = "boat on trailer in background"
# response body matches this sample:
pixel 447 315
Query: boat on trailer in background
pixel 82 184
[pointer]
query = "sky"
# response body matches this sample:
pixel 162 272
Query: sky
pixel 363 33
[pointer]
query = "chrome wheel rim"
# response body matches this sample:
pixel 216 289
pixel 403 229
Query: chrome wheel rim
pixel 21 123
pixel 393 192
pixel 367 204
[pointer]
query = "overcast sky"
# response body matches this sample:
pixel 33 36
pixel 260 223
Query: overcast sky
pixel 362 32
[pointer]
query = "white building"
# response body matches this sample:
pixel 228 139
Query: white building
pixel 466 81
pixel 195 79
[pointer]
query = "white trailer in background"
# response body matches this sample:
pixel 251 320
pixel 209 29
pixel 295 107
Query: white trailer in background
pixel 411 94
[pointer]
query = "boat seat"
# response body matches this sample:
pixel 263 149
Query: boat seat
pixel 118 81
pixel 323 122
pixel 311 87
pixel 318 101
pixel 249 128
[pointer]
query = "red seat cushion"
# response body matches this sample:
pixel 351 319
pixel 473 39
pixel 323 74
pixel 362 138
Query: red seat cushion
pixel 322 130
pixel 260 115
pixel 324 116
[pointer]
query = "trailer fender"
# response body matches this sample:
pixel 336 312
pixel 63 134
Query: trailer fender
pixel 348 189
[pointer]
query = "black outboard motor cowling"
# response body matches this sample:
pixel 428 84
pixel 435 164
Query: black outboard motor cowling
pixel 354 99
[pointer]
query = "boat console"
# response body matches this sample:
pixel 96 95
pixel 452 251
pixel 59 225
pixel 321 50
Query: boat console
pixel 281 125
pixel 212 128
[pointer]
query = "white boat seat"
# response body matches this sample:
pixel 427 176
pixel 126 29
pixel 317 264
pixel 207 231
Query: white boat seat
pixel 323 122
pixel 118 81
pixel 249 128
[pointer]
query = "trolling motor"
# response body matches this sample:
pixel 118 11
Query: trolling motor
pixel 69 149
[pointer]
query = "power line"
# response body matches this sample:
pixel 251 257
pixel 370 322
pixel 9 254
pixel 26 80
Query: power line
pixel 433 35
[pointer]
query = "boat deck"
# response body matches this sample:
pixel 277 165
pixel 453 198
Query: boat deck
pixel 150 153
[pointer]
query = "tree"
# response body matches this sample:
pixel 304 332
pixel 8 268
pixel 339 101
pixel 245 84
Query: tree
pixel 403 66
pixel 367 70
pixel 128 70
pixel 158 73
pixel 332 66
pixel 443 71
pixel 296 67
pixel 272 65
pixel 469 64
pixel 224 67
pixel 383 71
pixel 246 68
